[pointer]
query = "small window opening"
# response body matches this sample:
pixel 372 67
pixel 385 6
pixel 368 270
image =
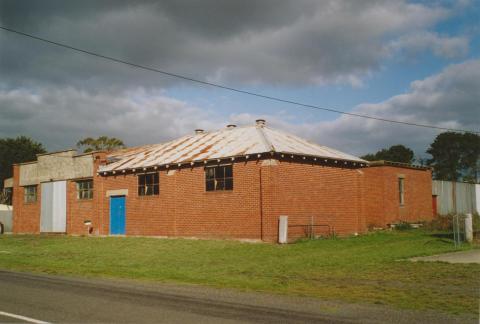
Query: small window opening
pixel 219 178
pixel 401 191
pixel 148 184
pixel 85 189
pixel 30 194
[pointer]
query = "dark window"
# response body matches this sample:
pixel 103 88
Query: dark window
pixel 401 191
pixel 148 184
pixel 219 178
pixel 30 194
pixel 85 189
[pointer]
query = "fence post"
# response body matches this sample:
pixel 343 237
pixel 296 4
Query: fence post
pixel 456 231
pixel 283 229
pixel 468 228
pixel 312 233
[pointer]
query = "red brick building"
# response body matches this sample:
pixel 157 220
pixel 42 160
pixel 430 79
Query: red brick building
pixel 231 183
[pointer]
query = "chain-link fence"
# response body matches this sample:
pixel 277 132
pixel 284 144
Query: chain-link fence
pixel 453 226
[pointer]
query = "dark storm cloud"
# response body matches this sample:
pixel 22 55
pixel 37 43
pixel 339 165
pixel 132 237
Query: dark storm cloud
pixel 59 117
pixel 272 42
pixel 58 96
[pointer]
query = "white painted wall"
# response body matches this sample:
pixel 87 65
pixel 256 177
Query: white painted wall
pixel 56 166
pixel 5 207
pixel 477 197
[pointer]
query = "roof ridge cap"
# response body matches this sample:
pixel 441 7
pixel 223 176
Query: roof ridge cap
pixel 268 144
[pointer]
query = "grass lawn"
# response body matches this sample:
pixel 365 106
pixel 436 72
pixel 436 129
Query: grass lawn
pixel 357 269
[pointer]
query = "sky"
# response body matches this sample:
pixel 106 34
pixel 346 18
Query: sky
pixel 413 61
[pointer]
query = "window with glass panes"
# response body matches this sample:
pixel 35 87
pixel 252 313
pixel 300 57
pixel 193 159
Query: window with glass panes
pixel 148 184
pixel 85 189
pixel 401 191
pixel 219 178
pixel 30 194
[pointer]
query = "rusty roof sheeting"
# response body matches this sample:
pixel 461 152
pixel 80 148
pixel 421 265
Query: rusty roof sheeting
pixel 228 142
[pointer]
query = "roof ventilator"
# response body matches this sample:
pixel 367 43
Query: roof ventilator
pixel 260 122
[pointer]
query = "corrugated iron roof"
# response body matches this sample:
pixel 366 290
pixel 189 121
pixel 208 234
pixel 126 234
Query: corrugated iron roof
pixel 224 143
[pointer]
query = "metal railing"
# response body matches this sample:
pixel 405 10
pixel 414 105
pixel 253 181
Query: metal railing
pixel 309 229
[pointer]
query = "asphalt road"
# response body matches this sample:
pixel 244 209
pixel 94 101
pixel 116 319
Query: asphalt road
pixel 40 298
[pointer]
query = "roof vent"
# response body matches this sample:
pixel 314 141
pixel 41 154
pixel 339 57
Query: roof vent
pixel 199 131
pixel 260 122
pixel 230 126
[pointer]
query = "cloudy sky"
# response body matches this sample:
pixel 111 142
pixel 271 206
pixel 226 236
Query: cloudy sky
pixel 416 61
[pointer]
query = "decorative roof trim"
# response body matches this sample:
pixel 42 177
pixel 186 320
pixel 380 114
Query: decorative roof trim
pixel 238 158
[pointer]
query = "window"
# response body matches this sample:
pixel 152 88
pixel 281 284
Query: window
pixel 148 184
pixel 85 189
pixel 219 178
pixel 401 191
pixel 30 193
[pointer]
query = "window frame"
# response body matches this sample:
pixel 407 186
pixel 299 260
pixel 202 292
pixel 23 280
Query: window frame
pixel 27 196
pixel 82 191
pixel 401 191
pixel 219 178
pixel 143 189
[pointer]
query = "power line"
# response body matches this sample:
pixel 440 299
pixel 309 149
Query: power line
pixel 255 94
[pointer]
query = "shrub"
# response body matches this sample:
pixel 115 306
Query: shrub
pixel 440 223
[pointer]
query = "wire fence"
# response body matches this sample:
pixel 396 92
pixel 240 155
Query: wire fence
pixel 458 228
pixel 310 231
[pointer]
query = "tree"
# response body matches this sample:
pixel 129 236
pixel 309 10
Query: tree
pixel 471 157
pixel 16 150
pixel 455 156
pixel 102 143
pixel 6 196
pixel 396 153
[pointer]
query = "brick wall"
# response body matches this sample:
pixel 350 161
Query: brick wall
pixel 382 195
pixel 26 216
pixel 78 211
pixel 374 202
pixel 348 200
pixel 301 191
pixel 184 208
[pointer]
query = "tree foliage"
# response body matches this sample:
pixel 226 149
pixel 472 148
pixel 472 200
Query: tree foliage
pixel 6 196
pixel 16 150
pixel 102 143
pixel 455 156
pixel 395 153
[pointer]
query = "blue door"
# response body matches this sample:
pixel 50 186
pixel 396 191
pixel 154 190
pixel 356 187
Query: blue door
pixel 117 215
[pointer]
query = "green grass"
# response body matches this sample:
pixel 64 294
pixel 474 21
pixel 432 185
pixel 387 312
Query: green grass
pixel 357 269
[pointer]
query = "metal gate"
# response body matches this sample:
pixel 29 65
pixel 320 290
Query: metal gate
pixel 53 216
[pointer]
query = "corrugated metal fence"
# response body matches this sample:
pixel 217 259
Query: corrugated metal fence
pixel 456 197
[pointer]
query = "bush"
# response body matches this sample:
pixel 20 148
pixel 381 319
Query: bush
pixel 445 223
pixel 440 223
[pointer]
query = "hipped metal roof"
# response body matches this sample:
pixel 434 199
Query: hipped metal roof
pixel 220 144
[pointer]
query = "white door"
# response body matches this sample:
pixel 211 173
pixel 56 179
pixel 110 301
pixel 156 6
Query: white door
pixel 53 217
